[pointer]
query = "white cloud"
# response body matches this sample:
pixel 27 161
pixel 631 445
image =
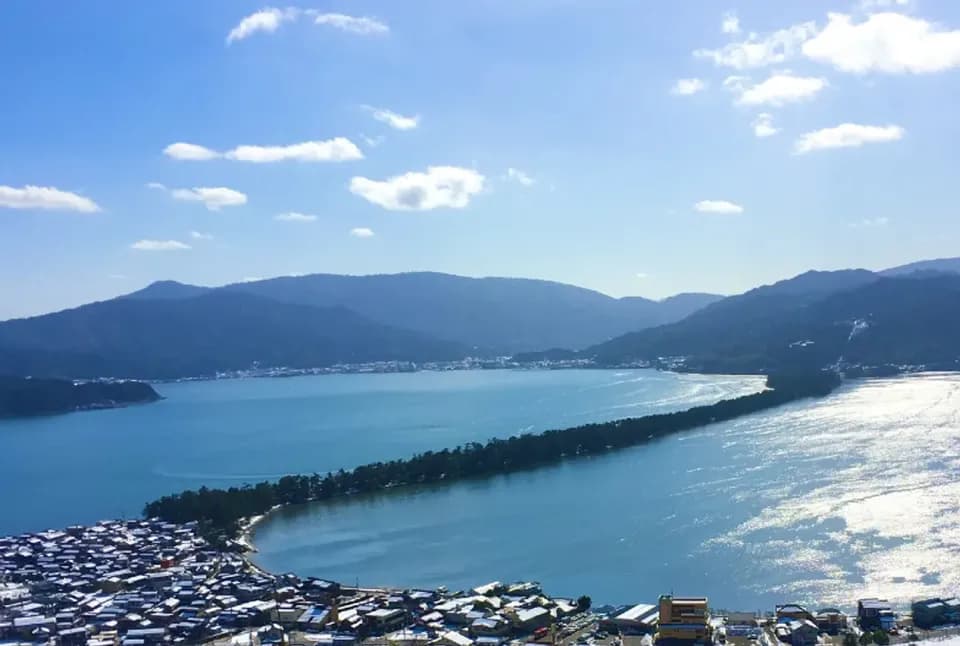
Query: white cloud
pixel 763 125
pixel 393 119
pixel 686 87
pixel 885 42
pixel 266 20
pixel 361 232
pixel 293 216
pixel 373 142
pixel 718 206
pixel 352 24
pixel 439 187
pixel 159 245
pixel 214 198
pixel 641 275
pixel 189 152
pixel 730 24
pixel 196 235
pixel 880 221
pixel 781 88
pixel 760 51
pixel 846 135
pixel 520 177
pixel 336 149
pixel 331 150
pixel 156 185
pixel 46 198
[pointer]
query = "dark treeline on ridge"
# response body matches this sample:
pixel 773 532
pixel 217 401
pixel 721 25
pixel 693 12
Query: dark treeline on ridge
pixel 219 510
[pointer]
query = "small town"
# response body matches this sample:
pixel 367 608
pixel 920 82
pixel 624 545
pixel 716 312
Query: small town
pixel 142 582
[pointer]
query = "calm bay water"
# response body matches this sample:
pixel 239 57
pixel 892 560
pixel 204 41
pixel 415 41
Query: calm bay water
pixel 79 468
pixel 821 502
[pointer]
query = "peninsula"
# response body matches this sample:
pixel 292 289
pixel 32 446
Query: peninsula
pixel 220 512
pixel 25 397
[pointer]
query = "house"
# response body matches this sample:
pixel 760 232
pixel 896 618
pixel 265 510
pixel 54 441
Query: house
pixel 313 618
pixel 494 587
pixel 453 638
pixel 929 613
pixel 792 612
pixel 640 619
pixel 383 620
pixel 529 619
pixel 493 625
pixel 831 620
pixel 873 614
pixel 803 632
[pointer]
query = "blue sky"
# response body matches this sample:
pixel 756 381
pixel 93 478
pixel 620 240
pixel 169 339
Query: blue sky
pixel 623 179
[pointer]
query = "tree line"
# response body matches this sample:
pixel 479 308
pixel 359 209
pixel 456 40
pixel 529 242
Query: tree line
pixel 219 511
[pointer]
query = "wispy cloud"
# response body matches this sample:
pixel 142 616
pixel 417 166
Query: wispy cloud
pixel 332 150
pixel 266 20
pixel 779 89
pixel 520 177
pixel 212 197
pixel 361 232
pixel 337 149
pixel 763 125
pixel 885 42
pixel 730 23
pixel 159 245
pixel 760 51
pixel 718 206
pixel 269 19
pixel 641 275
pixel 45 198
pixel 294 216
pixel 686 87
pixel 847 135
pixel 880 221
pixel 361 25
pixel 196 235
pixel 393 119
pixel 438 187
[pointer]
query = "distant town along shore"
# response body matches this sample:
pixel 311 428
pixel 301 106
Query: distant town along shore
pixel 220 512
pixel 135 582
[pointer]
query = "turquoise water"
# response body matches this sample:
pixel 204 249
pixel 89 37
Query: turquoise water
pixel 82 467
pixel 820 502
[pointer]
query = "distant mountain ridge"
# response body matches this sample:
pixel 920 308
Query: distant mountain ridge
pixel 816 320
pixel 201 335
pixel 937 265
pixel 489 315
pixel 854 317
pixel 172 330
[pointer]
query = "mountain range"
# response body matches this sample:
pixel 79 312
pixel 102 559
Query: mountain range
pixel 851 319
pixel 170 330
pixel 904 315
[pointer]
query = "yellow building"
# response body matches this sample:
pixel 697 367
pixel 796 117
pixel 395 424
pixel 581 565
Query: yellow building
pixel 684 619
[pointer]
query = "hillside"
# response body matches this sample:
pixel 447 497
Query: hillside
pixel 734 329
pixel 491 315
pixel 938 265
pixel 28 397
pixel 201 335
pixel 812 321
